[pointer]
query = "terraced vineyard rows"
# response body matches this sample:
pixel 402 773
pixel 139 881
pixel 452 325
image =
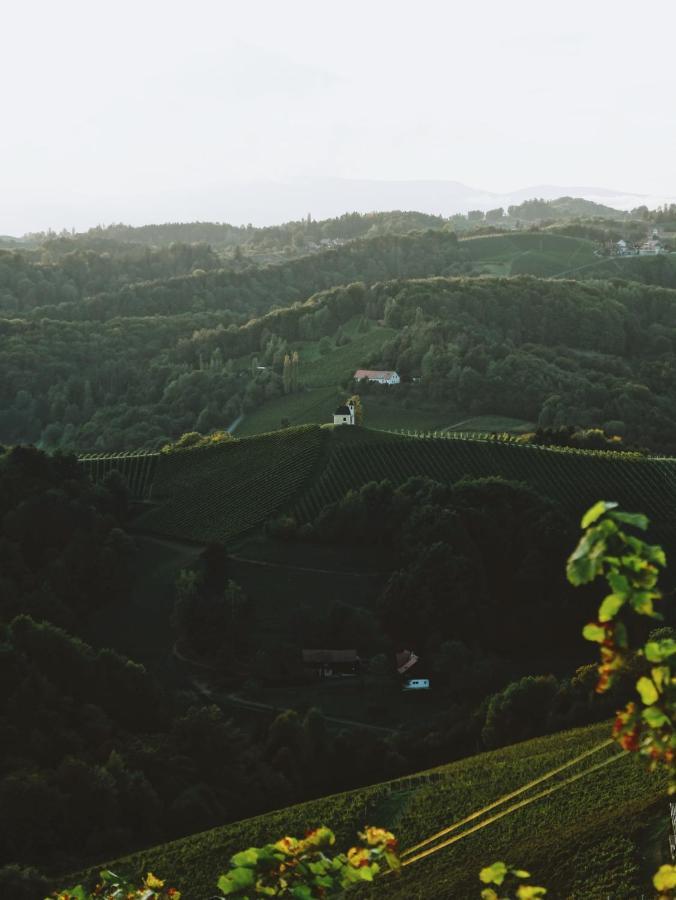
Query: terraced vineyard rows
pixel 138 468
pixel 215 493
pixel 574 478
pixel 602 817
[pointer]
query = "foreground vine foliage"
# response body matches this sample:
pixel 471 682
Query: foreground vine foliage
pixel 500 875
pixel 631 567
pixel 307 869
pixel 113 887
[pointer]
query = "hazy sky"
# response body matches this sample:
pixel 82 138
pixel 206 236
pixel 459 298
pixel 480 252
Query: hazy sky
pixel 137 111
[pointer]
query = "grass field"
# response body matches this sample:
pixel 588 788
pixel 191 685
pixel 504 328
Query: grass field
pixel 500 424
pixel 586 841
pixel 307 407
pixel 320 376
pixel 380 413
pixel 341 362
pixel 558 256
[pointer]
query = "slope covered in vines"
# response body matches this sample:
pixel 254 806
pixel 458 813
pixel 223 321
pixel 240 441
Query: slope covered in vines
pixel 574 478
pixel 214 493
pixel 587 839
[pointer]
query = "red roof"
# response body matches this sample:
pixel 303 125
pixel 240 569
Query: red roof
pixel 405 660
pixel 372 373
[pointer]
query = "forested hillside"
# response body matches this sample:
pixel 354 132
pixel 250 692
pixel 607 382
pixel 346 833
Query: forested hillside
pixel 251 291
pixel 112 344
pixel 222 235
pixel 551 352
pixel 115 371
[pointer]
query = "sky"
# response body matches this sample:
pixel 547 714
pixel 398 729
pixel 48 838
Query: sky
pixel 158 110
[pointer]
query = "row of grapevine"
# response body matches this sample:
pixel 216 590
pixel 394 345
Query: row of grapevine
pixel 215 493
pixel 575 478
pixel 137 468
pixel 507 437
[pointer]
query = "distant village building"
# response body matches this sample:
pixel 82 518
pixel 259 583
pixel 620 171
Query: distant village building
pixel 622 248
pixel 344 415
pixel 650 248
pixel 378 376
pixel 331 663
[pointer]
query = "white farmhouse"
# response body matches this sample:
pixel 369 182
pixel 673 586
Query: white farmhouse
pixel 380 377
pixel 344 415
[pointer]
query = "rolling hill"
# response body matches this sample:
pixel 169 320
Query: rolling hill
pixel 526 253
pixel 587 841
pixel 221 492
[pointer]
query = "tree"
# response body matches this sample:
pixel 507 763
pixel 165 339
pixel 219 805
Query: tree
pixel 520 711
pixel 287 375
pixel 358 409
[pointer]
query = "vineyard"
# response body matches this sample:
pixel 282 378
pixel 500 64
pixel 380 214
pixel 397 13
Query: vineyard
pixel 588 841
pixel 541 254
pixel 137 467
pixel 214 493
pixel 575 478
pixel 217 492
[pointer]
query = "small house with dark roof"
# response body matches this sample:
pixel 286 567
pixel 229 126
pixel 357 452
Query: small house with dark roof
pixel 344 415
pixel 331 663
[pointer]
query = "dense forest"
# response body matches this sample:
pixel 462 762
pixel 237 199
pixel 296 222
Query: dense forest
pixel 66 288
pixel 553 352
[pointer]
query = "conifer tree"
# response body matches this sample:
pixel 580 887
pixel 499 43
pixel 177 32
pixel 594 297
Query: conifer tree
pixel 287 374
pixel 295 371
pixel 355 399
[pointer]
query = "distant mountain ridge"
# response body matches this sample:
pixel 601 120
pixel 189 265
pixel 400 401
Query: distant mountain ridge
pixel 271 202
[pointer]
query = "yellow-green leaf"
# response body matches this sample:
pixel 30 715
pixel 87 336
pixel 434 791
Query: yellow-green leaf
pixel 665 878
pixel 596 511
pixel 661 675
pixel 530 892
pixel 647 690
pixel 494 874
pixel 656 651
pixel 594 632
pixel 610 607
pixel 654 717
